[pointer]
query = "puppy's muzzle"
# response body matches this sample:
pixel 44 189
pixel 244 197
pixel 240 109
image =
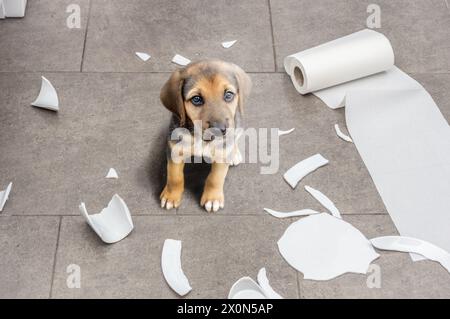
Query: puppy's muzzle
pixel 215 130
pixel 219 127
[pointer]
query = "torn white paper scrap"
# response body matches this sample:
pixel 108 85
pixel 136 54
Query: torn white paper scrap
pixel 303 212
pixel 171 267
pixel 112 173
pixel 4 196
pixel 143 56
pixel 323 247
pixel 265 285
pixel 324 200
pixel 246 288
pixel 2 10
pixel 180 60
pixel 228 44
pixel 48 98
pixel 281 133
pixel 14 8
pixel 413 245
pixel 113 223
pixel 341 134
pixel 294 175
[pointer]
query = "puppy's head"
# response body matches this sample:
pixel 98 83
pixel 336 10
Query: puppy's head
pixel 209 91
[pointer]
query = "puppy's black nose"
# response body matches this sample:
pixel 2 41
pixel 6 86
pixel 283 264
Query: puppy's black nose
pixel 221 127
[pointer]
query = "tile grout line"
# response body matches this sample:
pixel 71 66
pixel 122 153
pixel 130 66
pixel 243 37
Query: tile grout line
pixel 193 214
pixel 169 72
pixel 273 38
pixel 265 214
pixel 54 258
pixel 85 35
pixel 299 295
pixel 131 72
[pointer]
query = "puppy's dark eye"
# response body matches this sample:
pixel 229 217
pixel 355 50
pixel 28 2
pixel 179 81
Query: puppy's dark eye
pixel 228 96
pixel 197 100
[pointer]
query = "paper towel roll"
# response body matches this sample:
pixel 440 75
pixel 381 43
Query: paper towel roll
pixel 349 58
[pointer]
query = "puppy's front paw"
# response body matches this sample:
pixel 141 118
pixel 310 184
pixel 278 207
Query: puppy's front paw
pixel 212 199
pixel 171 198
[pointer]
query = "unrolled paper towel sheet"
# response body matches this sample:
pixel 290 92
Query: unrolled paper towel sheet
pixel 397 128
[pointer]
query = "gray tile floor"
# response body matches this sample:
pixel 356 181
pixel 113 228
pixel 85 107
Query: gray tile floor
pixel 111 117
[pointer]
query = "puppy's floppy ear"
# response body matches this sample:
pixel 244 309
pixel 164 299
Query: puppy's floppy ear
pixel 172 96
pixel 245 86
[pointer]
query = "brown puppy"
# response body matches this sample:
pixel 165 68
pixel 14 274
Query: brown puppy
pixel 208 95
